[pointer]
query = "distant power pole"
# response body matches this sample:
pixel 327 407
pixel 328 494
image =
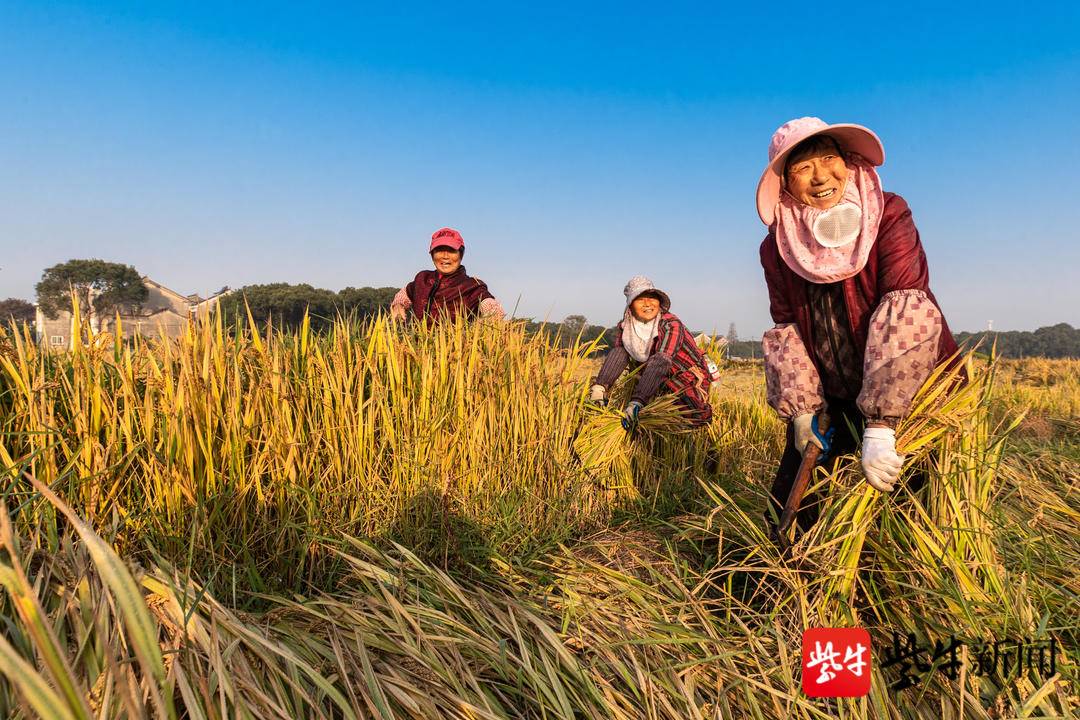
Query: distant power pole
pixel 989 325
pixel 732 336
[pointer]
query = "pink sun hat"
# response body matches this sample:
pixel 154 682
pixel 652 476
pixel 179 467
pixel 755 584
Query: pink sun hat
pixel 446 237
pixel 852 138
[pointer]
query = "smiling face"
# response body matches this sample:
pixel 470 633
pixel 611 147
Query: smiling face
pixel 646 306
pixel 446 259
pixel 816 173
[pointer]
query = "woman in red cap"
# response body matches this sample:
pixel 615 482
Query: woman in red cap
pixel 857 329
pixel 446 291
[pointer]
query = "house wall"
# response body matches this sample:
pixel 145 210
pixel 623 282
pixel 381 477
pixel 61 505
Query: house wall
pixel 162 299
pixel 164 311
pixel 165 321
pixel 55 333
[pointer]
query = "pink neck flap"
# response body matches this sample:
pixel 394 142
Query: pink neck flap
pixel 810 259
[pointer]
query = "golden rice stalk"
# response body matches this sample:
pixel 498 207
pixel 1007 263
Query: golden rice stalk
pixel 607 451
pixel 949 405
pixel 142 631
pixel 956 391
pixel 37 693
pixel 41 633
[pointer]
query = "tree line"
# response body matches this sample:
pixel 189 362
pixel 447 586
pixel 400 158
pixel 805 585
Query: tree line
pixel 285 304
pixel 1053 341
pixel 107 287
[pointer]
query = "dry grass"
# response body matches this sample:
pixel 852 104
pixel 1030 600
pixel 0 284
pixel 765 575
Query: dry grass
pixel 272 455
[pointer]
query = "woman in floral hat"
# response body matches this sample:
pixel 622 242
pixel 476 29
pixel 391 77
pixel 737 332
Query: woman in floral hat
pixel 857 329
pixel 650 335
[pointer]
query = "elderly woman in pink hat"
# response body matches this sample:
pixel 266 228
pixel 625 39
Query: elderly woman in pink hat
pixel 447 291
pixel 857 329
pixel 650 336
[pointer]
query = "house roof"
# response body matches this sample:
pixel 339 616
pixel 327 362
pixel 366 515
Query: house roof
pixel 214 297
pixel 147 280
pixel 193 300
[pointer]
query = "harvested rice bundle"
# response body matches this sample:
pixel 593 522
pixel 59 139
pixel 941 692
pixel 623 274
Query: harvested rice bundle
pixel 947 438
pixel 955 392
pixel 607 451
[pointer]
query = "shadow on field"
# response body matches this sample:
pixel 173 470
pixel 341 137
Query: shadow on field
pixel 432 527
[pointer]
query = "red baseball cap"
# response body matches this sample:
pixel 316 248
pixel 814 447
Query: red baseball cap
pixel 446 237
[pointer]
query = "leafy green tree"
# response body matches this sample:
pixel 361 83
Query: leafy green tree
pixel 1054 341
pixel 744 349
pixel 365 301
pixel 573 324
pixel 101 287
pixel 606 335
pixel 567 332
pixel 283 304
pixel 16 310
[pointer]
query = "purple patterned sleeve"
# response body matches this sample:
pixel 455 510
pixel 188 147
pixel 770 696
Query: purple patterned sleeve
pixel 901 350
pixel 792 383
pixel 656 369
pixel 614 363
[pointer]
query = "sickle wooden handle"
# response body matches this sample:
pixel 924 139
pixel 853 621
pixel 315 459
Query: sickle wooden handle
pixel 802 480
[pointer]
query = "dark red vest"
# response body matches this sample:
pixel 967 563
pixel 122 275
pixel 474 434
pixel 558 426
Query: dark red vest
pixel 436 296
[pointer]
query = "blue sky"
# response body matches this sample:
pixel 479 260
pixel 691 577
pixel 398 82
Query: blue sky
pixel 213 144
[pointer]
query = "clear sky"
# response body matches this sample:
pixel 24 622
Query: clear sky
pixel 573 145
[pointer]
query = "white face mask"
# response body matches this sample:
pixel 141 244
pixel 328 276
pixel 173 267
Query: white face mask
pixel 838 226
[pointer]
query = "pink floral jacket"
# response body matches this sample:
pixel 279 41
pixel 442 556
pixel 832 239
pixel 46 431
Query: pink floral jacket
pixel 889 319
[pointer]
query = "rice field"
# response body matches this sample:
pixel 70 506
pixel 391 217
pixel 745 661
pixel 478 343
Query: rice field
pixel 400 522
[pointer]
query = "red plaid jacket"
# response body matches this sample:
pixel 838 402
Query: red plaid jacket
pixel 675 365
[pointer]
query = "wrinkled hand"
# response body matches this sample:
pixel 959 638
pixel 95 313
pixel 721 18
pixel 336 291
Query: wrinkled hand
pixel 598 395
pixel 880 462
pixel 630 416
pixel 397 312
pixel 806 431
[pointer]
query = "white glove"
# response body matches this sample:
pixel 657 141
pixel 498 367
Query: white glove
pixel 597 394
pixel 880 463
pixel 804 433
